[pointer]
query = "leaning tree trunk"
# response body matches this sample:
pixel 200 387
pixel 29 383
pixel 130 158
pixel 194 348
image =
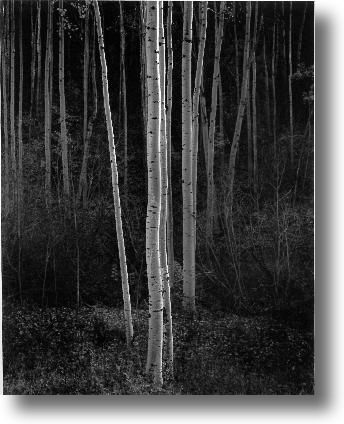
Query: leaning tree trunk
pixel 170 248
pixel 240 114
pixel 164 192
pixel 188 253
pixel 114 176
pixel 155 337
pixel 195 121
pixel 63 126
pixel 212 125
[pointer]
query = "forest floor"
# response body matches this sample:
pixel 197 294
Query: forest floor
pixel 55 351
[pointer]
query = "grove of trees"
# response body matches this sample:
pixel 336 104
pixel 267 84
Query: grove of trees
pixel 157 179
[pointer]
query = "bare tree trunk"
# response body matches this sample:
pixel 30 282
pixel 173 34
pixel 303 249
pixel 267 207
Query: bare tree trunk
pixel 63 125
pixel 241 112
pixel 249 131
pixel 83 186
pixel 299 44
pixel 267 90
pixel 39 60
pixel 196 112
pixel 86 71
pixel 47 105
pixel 124 103
pixel 164 192
pixel 4 85
pixel 188 257
pixel 12 112
pixel 212 124
pixel 291 123
pixel 143 65
pixel 254 108
pixel 155 337
pixel 114 176
pixel 33 64
pixel 237 78
pixel 170 248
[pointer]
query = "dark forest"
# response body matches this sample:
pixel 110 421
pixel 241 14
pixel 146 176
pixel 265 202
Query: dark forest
pixel 157 197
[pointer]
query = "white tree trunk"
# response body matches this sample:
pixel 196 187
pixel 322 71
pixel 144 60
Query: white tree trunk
pixel 114 176
pixel 155 337
pixel 188 247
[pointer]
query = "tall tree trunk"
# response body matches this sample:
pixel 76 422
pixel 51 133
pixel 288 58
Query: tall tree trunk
pixel 124 104
pixel 249 131
pixel 299 44
pixel 143 65
pixel 155 337
pixel 212 125
pixel 254 108
pixel 164 191
pixel 237 78
pixel 4 86
pixel 47 105
pixel 63 125
pixel 20 149
pixel 240 114
pixel 267 90
pixel 86 71
pixel 12 112
pixel 114 176
pixel 188 253
pixel 195 121
pixel 170 248
pixel 33 64
pixel 83 186
pixel 39 60
pixel 291 123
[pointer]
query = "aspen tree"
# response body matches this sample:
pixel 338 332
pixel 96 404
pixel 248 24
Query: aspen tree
pixel 170 248
pixel 188 248
pixel 4 86
pixel 20 148
pixel 39 60
pixel 47 104
pixel 212 125
pixel 12 94
pixel 291 123
pixel 114 176
pixel 195 118
pixel 267 90
pixel 240 114
pixel 254 107
pixel 155 336
pixel 237 78
pixel 143 65
pixel 124 103
pixel 63 125
pixel 249 131
pixel 82 190
pixel 33 63
pixel 164 191
pixel 86 71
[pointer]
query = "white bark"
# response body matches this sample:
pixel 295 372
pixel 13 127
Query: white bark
pixel 114 177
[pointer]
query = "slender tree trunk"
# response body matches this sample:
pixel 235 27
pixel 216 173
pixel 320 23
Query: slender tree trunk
pixel 47 105
pixel 195 120
pixel 249 131
pixel 241 112
pixel 164 192
pixel 291 123
pixel 20 149
pixel 237 78
pixel 221 128
pixel 267 90
pixel 155 337
pixel 188 253
pixel 86 72
pixel 299 44
pixel 124 103
pixel 114 176
pixel 83 186
pixel 4 86
pixel 12 112
pixel 33 64
pixel 254 108
pixel 204 126
pixel 63 125
pixel 170 248
pixel 39 60
pixel 212 125
pixel 143 65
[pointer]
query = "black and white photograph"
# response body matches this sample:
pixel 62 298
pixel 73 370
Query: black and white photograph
pixel 157 197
